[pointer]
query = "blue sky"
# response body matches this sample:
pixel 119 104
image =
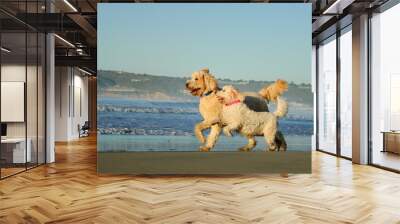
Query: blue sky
pixel 236 41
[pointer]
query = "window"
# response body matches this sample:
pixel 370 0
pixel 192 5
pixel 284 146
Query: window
pixel 327 95
pixel 385 89
pixel 346 93
pixel 22 77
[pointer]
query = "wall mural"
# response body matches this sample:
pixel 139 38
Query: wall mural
pixel 204 88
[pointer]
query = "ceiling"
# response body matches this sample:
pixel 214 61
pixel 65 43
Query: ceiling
pixel 75 21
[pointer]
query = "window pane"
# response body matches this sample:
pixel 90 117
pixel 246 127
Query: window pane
pixel 346 94
pixel 31 97
pixel 41 98
pixel 327 96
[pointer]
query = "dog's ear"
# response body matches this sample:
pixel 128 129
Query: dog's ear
pixel 206 70
pixel 236 94
pixel 232 92
pixel 210 83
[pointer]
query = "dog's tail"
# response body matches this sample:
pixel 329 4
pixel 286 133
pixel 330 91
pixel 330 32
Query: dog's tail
pixel 273 91
pixel 281 107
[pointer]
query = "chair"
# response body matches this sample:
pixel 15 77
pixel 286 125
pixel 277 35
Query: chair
pixel 84 130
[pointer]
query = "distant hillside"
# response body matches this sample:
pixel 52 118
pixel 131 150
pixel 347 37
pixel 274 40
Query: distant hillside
pixel 144 86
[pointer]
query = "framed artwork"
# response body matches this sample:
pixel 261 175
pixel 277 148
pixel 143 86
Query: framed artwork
pixel 204 88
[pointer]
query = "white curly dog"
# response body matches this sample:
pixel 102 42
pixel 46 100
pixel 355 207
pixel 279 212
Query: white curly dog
pixel 237 116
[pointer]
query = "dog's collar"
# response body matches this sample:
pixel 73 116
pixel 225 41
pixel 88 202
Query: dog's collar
pixel 232 102
pixel 207 93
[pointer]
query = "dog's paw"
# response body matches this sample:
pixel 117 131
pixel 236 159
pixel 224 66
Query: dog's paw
pixel 227 132
pixel 272 147
pixel 244 149
pixel 204 148
pixel 283 148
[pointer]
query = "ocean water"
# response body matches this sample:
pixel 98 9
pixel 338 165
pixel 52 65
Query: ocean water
pixel 140 125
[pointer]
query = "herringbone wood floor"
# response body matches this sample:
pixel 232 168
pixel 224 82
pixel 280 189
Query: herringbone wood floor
pixel 70 191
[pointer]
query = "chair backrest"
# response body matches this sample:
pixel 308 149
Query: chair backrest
pixel 86 125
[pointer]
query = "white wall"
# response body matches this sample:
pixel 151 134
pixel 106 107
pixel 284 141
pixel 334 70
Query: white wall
pixel 71 94
pixel 62 82
pixel 80 110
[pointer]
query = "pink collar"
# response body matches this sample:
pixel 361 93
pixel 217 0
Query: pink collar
pixel 232 102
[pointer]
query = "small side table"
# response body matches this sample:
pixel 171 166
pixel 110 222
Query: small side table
pixel 391 141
